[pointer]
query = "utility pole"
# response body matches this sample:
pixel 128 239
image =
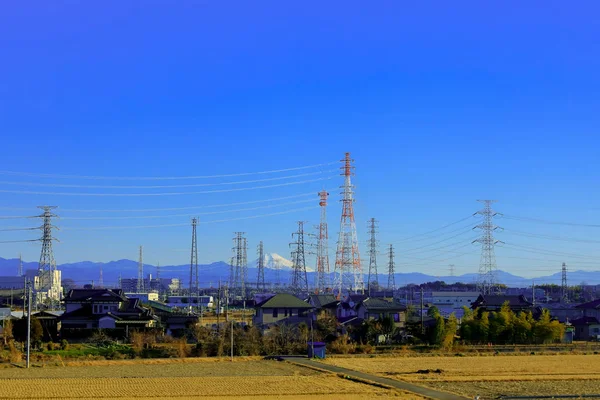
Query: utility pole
pixel 260 280
pixel 347 258
pixel 391 270
pixel 422 315
pixel 231 340
pixel 564 288
pixel 47 264
pixel 193 262
pixel 487 281
pixel 28 288
pixel 372 277
pixel 299 276
pixel 322 276
pixel 140 280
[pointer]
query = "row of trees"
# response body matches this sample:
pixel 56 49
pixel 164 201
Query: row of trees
pixel 508 327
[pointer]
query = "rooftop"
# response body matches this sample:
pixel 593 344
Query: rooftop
pixel 283 300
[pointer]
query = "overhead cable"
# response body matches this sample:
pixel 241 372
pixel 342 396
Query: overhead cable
pixel 164 193
pixel 63 185
pixel 157 178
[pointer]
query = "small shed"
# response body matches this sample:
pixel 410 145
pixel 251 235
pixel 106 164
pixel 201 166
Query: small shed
pixel 316 350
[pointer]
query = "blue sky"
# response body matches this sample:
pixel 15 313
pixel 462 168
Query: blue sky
pixel 439 104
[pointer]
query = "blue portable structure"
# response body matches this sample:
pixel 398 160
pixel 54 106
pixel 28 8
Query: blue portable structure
pixel 316 350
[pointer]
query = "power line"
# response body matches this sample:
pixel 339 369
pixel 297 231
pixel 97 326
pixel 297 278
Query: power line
pixel 437 242
pixel 543 221
pixel 437 229
pixel 161 194
pixel 63 185
pixel 185 215
pixel 565 239
pixel 175 225
pixel 14 173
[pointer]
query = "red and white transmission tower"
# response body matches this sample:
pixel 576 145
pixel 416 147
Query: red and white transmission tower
pixel 349 276
pixel 322 278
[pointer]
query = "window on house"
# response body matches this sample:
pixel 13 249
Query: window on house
pixel 275 314
pixel 285 312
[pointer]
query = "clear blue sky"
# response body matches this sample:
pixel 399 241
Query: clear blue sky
pixel 440 104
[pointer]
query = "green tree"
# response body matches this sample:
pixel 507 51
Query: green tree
pixel 450 331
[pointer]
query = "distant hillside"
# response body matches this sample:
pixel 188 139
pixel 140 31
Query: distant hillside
pixel 85 271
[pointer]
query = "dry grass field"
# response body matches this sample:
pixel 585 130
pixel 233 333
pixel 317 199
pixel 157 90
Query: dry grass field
pixel 489 376
pixel 175 379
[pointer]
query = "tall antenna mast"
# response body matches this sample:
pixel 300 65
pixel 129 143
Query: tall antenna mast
pixel 373 279
pixel 487 280
pixel 391 270
pixel 347 258
pixel 140 281
pixel 260 281
pixel 322 277
pixel 47 264
pixel 564 288
pixel 194 260
pixel 299 277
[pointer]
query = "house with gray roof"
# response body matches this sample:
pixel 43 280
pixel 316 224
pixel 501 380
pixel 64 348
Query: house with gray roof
pixel 282 308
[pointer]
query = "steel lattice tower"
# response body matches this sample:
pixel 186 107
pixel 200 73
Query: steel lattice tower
pixel 238 269
pixel 260 280
pixel 20 267
pixel 348 268
pixel 487 282
pixel 322 276
pixel 564 288
pixel 194 260
pixel 101 279
pixel 391 269
pixel 299 277
pixel 372 277
pixel 140 280
pixel 47 265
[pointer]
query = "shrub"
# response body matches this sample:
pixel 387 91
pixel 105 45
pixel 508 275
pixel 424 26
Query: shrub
pixel 342 345
pixel 64 344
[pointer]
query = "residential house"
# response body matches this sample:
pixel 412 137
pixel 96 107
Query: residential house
pixel 375 308
pixel 586 328
pixel 590 309
pixel 282 308
pixel 104 308
pixel 348 307
pixel 323 303
pixel 495 303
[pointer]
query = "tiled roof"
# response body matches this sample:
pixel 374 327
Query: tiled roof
pixel 499 300
pixel 380 304
pixel 322 300
pixel 96 295
pixel 284 300
pixel 590 304
pixel 585 321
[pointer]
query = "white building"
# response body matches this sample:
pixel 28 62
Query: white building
pixel 453 299
pixel 144 297
pixel 187 301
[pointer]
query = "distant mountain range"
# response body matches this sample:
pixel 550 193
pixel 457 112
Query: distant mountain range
pixel 85 271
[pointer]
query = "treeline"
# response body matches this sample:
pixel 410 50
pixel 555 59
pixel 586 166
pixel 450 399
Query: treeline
pixel 507 327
